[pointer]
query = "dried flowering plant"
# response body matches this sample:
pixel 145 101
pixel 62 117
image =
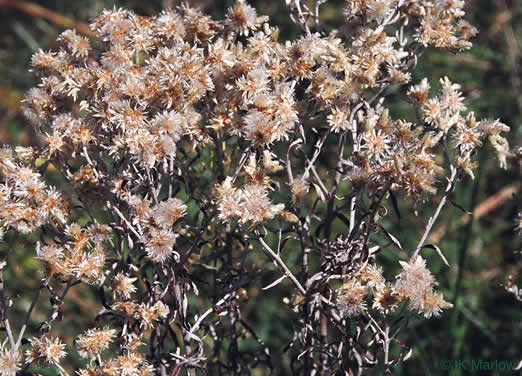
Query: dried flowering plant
pixel 189 144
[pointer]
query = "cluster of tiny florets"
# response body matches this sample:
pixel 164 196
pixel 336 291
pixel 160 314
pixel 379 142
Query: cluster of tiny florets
pixel 81 258
pixel 182 138
pixel 26 202
pixel 10 361
pixel 416 283
pixel 46 351
pixel 94 341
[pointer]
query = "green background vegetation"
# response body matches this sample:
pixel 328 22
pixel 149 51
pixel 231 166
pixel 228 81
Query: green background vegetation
pixel 486 321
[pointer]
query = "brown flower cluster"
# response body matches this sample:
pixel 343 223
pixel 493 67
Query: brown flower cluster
pixel 416 284
pixel 26 203
pixel 81 256
pixel 190 143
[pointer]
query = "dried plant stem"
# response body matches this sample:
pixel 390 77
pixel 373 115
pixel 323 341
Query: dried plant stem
pixel 62 370
pixel 324 339
pixel 353 201
pixel 197 324
pixel 431 221
pixel 302 19
pixel 386 345
pixel 319 180
pixel 129 225
pixel 90 162
pixel 202 230
pixel 338 173
pixel 5 319
pixel 281 264
pixel 316 14
pixel 318 147
pixel 492 203
pixel 289 163
pixel 38 11
pixel 487 206
pixel 28 315
pixel 243 160
pixel 330 216
pixel 210 133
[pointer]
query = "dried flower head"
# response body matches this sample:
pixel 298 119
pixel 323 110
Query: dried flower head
pixel 166 213
pixel 350 298
pixel 338 120
pixel 160 245
pixel 257 207
pixel 52 258
pixel 150 314
pixel 242 18
pixel 94 341
pixel 376 144
pixel 416 284
pixel 433 304
pixel 9 362
pixel 420 93
pixel 229 200
pixel 46 351
pixel 414 281
pixel 299 189
pixel 179 109
pixel 124 286
pixel 371 276
pixel 386 300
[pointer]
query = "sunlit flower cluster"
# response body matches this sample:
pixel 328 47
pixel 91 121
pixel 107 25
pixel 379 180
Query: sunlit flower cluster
pixel 81 257
pixel 26 203
pixel 188 144
pixel 416 283
pixel 46 351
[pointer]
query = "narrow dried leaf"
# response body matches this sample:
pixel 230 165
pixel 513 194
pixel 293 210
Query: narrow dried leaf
pixel 319 192
pixel 407 356
pixel 395 204
pixel 391 237
pixel 438 250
